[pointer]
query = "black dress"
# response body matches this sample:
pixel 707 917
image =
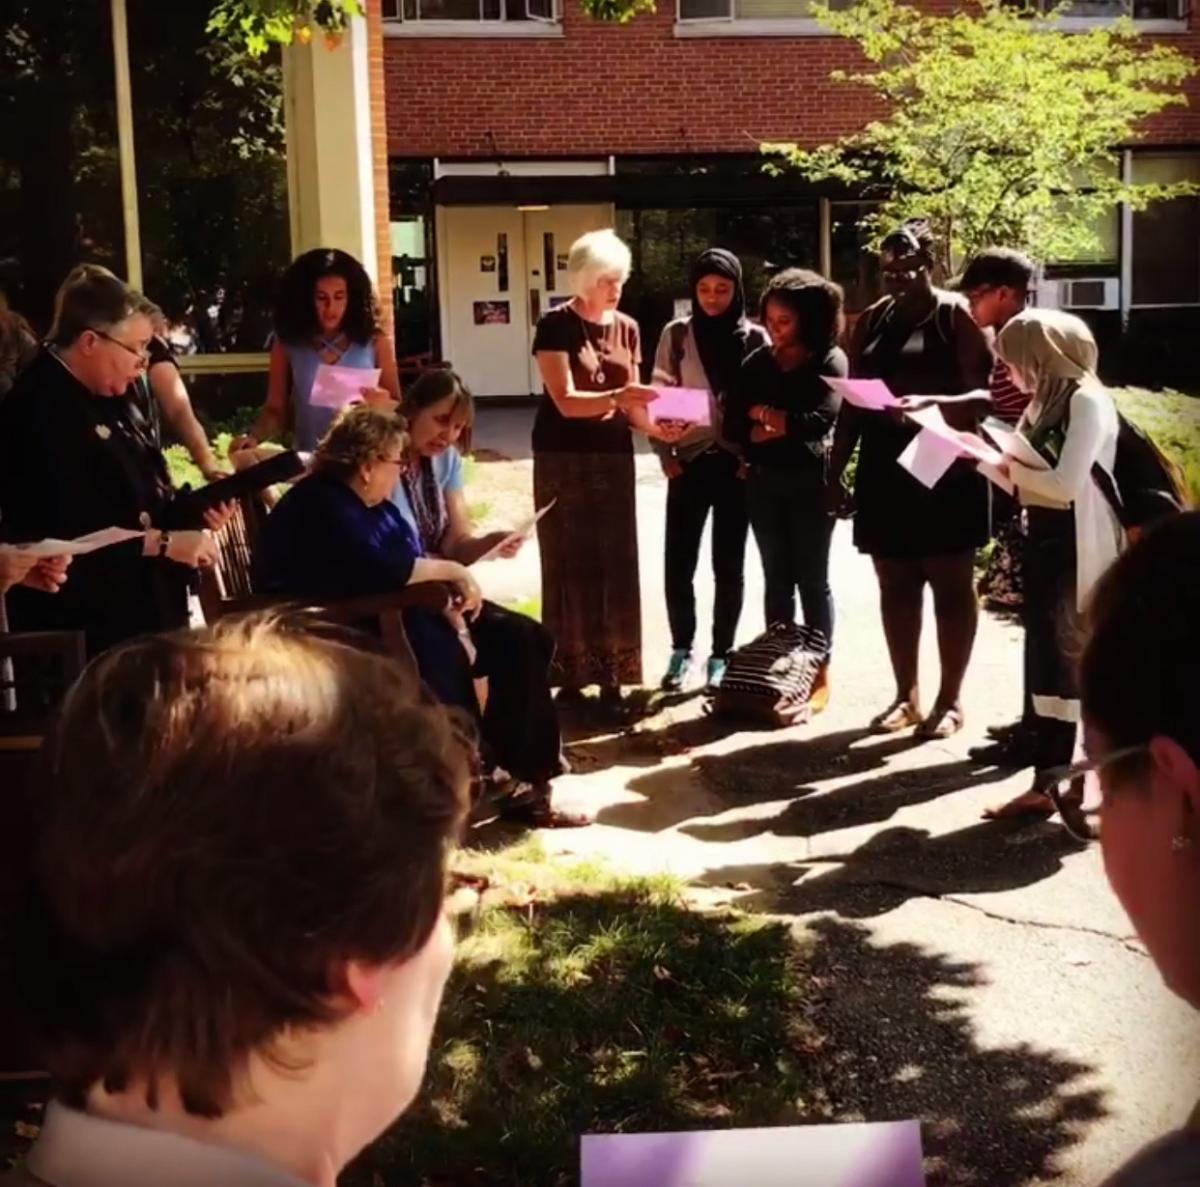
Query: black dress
pixel 896 516
pixel 72 463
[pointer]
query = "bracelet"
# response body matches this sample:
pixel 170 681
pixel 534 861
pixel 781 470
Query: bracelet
pixel 164 542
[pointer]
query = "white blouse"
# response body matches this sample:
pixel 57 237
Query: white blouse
pixel 1091 437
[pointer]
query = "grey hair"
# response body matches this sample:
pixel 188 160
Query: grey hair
pixel 596 254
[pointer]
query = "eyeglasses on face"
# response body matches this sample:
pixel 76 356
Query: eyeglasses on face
pixel 1067 788
pixel 400 461
pixel 142 356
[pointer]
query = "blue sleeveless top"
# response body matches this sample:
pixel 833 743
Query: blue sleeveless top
pixel 303 360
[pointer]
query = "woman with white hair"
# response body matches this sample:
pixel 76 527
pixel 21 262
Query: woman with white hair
pixel 588 355
pixel 1074 534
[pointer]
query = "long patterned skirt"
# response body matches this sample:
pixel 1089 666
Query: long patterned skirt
pixel 590 593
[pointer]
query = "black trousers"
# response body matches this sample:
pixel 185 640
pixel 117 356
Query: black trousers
pixel 1053 634
pixel 520 723
pixel 794 535
pixel 709 482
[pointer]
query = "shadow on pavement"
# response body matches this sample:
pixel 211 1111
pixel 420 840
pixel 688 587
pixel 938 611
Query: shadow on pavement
pixel 899 864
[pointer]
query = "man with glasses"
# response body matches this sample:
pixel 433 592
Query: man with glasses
pixel 996 284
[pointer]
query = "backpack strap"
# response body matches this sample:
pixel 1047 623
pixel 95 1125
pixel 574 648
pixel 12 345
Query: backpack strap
pixel 679 331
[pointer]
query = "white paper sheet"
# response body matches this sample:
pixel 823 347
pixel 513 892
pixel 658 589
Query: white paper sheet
pixel 928 457
pixel 1012 444
pixel 335 387
pixel 884 1154
pixel 522 533
pixel 872 394
pixel 77 547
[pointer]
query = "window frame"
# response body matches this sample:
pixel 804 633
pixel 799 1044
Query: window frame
pixel 396 25
pixel 734 26
pixel 1180 23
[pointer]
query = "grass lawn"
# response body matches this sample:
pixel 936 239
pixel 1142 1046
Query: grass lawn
pixel 587 1001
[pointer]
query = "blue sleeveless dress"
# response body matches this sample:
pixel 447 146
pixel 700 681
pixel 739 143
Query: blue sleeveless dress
pixel 303 360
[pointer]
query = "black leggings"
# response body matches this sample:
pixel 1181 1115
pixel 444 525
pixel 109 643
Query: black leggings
pixel 709 482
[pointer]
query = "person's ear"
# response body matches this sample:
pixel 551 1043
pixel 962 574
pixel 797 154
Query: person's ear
pixel 363 984
pixel 1174 768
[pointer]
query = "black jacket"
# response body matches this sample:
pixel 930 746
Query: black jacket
pixel 72 463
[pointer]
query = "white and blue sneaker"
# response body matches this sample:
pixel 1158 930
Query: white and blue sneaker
pixel 678 670
pixel 716 672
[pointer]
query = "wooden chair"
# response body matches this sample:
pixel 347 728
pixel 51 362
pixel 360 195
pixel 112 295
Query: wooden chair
pixel 36 669
pixel 228 588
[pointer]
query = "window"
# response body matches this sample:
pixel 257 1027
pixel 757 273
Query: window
pixel 748 16
pixel 1166 235
pixel 851 262
pixel 212 179
pixel 528 16
pixel 60 183
pixel 1084 12
pixel 211 218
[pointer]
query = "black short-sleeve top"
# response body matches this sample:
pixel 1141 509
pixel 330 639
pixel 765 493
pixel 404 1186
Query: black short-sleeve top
pixel 602 358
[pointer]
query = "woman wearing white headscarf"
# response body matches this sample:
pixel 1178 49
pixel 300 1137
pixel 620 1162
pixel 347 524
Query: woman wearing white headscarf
pixel 1074 534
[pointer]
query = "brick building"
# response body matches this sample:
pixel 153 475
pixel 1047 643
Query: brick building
pixel 513 125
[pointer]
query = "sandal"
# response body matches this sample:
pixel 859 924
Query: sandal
pixel 941 723
pixel 1031 803
pixel 532 806
pixel 899 715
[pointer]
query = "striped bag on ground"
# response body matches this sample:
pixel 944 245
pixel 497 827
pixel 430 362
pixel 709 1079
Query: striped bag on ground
pixel 770 680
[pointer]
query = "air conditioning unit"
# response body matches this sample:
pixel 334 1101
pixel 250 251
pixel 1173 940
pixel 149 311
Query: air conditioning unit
pixel 1102 292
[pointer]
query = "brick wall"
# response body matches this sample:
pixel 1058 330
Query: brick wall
pixel 635 89
pixel 379 158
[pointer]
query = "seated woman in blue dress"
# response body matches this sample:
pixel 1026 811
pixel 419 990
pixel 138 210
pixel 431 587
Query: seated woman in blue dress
pixel 337 534
pixel 520 722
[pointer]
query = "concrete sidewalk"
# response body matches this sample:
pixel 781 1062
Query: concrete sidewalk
pixel 979 976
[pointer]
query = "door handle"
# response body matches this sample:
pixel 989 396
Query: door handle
pixel 535 306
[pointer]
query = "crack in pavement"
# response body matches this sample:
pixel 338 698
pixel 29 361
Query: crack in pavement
pixel 1125 942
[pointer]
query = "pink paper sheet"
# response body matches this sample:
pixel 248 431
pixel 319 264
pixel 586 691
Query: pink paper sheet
pixel 872 394
pixel 690 404
pixel 968 444
pixel 335 387
pixel 928 457
pixel 886 1154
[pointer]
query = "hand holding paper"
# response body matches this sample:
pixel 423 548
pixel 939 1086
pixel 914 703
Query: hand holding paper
pixel 519 536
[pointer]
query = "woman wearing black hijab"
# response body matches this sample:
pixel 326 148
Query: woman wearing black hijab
pixel 781 413
pixel 705 350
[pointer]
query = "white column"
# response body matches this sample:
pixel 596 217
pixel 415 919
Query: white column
pixel 124 96
pixel 327 105
pixel 1126 242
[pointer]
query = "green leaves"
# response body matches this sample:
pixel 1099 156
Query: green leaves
pixel 253 26
pixel 1003 128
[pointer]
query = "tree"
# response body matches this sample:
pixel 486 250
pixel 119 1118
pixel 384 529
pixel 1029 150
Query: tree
pixel 1001 128
pixel 255 25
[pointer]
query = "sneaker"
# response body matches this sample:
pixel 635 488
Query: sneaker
pixel 819 700
pixel 716 672
pixel 678 670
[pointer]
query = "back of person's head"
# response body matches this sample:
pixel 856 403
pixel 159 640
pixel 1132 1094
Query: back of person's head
pixel 91 298
pixel 1047 346
pixel 997 267
pixel 295 317
pixel 226 821
pixel 1140 667
pixel 815 302
pixel 358 435
pixel 1142 724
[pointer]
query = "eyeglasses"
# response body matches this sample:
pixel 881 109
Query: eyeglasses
pixel 400 461
pixel 901 273
pixel 1075 797
pixel 142 356
pixel 977 294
